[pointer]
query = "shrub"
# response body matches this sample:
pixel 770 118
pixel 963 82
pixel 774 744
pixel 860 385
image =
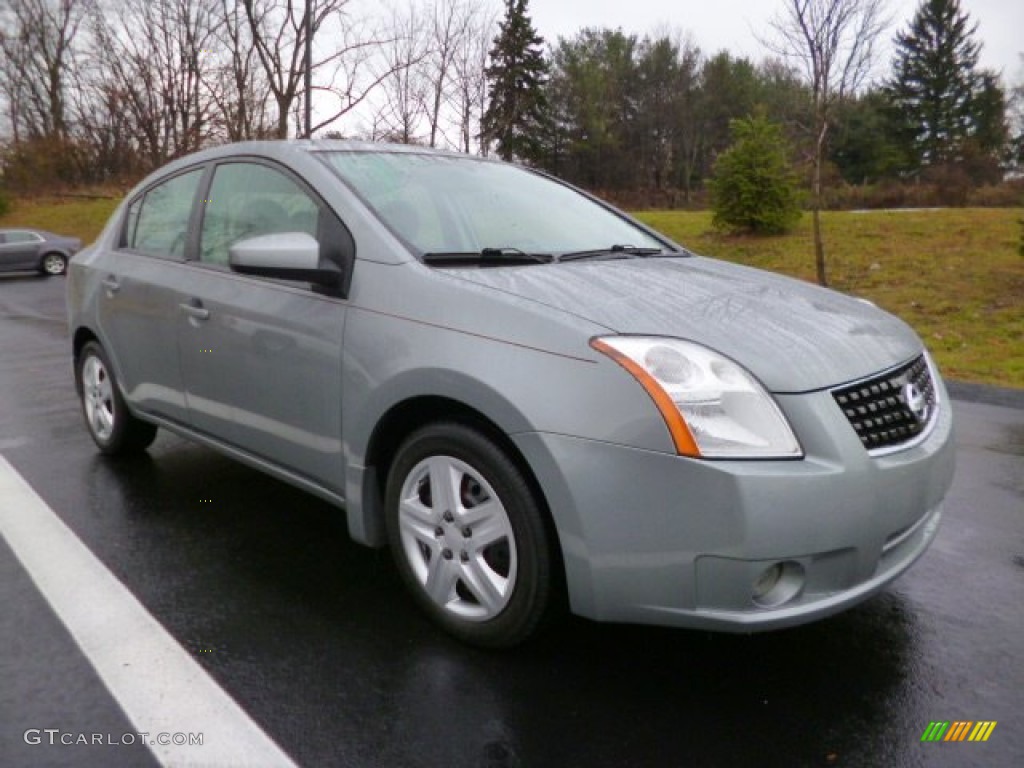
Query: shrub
pixel 754 188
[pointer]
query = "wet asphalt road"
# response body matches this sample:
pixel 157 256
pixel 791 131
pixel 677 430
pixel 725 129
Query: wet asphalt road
pixel 315 638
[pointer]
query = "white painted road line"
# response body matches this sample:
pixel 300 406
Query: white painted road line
pixel 160 687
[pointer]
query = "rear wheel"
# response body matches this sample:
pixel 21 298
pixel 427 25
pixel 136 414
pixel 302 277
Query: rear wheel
pixel 468 536
pixel 53 264
pixel 111 425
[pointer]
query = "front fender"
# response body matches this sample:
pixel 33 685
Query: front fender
pixel 389 360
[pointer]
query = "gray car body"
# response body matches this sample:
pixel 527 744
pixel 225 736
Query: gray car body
pixel 29 255
pixel 645 535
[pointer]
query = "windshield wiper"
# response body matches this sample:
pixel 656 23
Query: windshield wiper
pixel 615 251
pixel 486 257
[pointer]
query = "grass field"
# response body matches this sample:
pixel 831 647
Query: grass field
pixel 953 274
pixel 75 217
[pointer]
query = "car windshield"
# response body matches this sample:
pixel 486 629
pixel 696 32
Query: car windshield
pixel 445 205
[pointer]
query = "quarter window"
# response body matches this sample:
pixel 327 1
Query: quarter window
pixel 158 224
pixel 247 200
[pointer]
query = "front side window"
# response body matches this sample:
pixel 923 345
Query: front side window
pixel 439 203
pixel 157 224
pixel 247 200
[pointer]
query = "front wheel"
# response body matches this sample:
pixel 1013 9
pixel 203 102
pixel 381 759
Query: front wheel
pixel 468 536
pixel 111 425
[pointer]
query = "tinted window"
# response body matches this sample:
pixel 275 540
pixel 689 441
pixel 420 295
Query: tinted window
pixel 247 200
pixel 161 225
pixel 23 237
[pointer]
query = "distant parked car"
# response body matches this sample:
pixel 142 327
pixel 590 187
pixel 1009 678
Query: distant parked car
pixel 36 249
pixel 518 388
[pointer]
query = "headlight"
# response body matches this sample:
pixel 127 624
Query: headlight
pixel 712 407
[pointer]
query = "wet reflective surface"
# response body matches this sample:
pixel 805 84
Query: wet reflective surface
pixel 315 638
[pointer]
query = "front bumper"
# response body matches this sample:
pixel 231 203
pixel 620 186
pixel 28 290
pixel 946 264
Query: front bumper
pixel 653 538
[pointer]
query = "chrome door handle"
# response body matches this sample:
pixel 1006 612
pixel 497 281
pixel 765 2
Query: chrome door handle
pixel 112 284
pixel 195 309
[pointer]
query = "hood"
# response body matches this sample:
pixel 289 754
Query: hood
pixel 793 336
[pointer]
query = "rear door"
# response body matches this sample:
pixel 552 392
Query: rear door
pixel 261 358
pixel 142 282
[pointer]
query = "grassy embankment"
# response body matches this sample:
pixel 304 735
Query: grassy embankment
pixel 953 274
pixel 75 217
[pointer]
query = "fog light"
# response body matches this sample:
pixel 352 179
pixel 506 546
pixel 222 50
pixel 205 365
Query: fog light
pixel 767 580
pixel 778 584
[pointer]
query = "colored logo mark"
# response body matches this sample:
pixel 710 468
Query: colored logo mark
pixel 958 730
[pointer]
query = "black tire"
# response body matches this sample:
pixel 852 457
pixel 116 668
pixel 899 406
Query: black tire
pixel 53 264
pixel 519 560
pixel 111 425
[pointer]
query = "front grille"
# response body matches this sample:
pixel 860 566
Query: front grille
pixel 893 408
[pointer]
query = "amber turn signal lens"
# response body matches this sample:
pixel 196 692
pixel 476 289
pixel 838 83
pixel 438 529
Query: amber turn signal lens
pixel 677 428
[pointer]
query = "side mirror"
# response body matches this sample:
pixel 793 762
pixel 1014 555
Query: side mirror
pixel 285 255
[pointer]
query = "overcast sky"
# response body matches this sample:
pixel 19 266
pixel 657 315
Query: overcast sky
pixel 733 24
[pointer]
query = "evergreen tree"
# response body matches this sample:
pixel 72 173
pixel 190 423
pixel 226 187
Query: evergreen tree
pixel 864 147
pixel 729 90
pixel 990 129
pixel 754 188
pixel 516 113
pixel 946 102
pixel 593 93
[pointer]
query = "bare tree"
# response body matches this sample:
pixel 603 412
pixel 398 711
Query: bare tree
pixel 237 83
pixel 451 23
pixel 36 38
pixel 350 77
pixel 470 83
pixel 405 86
pixel 433 62
pixel 150 54
pixel 833 43
pixel 278 33
pixel 102 124
pixel 344 79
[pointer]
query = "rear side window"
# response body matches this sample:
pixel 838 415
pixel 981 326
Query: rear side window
pixel 157 223
pixel 23 237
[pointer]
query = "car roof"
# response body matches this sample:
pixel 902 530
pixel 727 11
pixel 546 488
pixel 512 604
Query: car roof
pixel 292 146
pixel 41 232
pixel 285 150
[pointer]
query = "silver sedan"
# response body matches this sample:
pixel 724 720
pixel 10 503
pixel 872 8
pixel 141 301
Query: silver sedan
pixel 36 249
pixel 523 392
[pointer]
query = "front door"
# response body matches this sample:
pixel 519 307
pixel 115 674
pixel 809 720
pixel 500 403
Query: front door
pixel 261 358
